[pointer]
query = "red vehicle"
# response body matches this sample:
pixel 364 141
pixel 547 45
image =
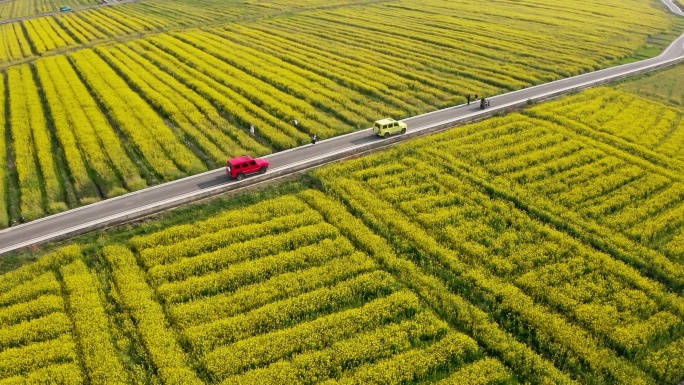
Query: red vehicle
pixel 243 165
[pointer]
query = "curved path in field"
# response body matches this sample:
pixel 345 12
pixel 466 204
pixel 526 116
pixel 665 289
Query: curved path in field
pixel 172 194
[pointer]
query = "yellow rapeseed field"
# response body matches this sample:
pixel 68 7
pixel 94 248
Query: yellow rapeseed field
pixel 545 246
pixel 163 99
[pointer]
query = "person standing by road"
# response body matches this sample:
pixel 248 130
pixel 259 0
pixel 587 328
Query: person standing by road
pixel 314 137
pixel 251 129
pixel 296 123
pixel 475 97
pixel 468 99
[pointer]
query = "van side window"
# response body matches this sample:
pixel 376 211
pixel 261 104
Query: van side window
pixel 253 163
pixel 244 165
pixel 237 166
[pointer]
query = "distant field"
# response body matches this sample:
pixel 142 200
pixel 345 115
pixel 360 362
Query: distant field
pixel 10 9
pixel 663 86
pixel 630 25
pixel 545 246
pixel 27 39
pixel 99 122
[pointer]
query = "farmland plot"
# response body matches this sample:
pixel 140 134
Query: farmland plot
pixel 298 289
pixel 53 321
pixel 103 121
pixel 608 32
pixel 18 8
pixel 663 86
pixel 543 246
pixel 269 293
pixel 54 33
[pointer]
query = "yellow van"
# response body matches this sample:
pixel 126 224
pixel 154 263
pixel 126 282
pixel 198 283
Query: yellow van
pixel 386 127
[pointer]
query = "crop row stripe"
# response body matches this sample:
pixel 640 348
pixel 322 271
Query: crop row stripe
pixel 549 325
pixel 452 351
pixel 266 210
pixel 252 249
pixel 312 336
pixel 92 326
pixel 30 308
pixel 372 344
pixel 223 238
pixel 459 312
pixel 167 355
pixel 10 280
pixel 246 298
pixel 22 360
pixel 250 271
pixel 276 315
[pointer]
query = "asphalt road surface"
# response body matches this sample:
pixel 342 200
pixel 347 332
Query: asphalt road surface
pixel 82 219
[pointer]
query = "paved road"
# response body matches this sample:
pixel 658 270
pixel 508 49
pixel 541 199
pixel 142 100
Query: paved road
pixel 120 209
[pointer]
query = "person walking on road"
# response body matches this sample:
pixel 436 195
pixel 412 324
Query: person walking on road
pixel 468 99
pixel 314 137
pixel 475 97
pixel 251 129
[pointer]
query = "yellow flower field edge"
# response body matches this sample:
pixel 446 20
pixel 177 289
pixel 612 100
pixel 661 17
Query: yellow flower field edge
pixel 92 326
pixel 437 295
pixel 499 156
pixel 414 287
pixel 4 185
pixel 33 148
pixel 97 141
pixel 539 247
pixel 57 33
pixel 36 343
pixel 157 107
pixel 167 355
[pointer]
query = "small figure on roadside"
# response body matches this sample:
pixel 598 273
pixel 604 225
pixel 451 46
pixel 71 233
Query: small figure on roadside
pixel 468 99
pixel 314 137
pixel 475 97
pixel 251 129
pixel 296 123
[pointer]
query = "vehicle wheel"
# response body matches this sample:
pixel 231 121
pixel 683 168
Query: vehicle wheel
pixel 386 135
pixel 403 131
pixel 241 176
pixel 263 170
